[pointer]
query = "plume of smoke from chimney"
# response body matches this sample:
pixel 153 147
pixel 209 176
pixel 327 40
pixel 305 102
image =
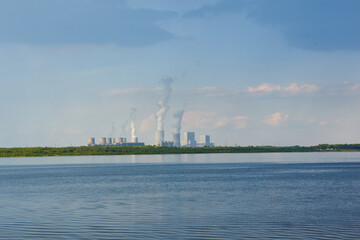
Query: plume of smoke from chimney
pixel 164 102
pixel 124 128
pixel 132 122
pixel 178 119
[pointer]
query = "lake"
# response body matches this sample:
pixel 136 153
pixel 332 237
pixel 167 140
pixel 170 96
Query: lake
pixel 195 196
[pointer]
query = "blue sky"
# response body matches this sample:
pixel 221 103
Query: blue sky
pixel 247 72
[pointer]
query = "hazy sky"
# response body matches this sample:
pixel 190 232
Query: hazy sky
pixel 247 72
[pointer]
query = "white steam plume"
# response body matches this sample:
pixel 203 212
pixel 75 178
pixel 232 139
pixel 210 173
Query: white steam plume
pixel 132 122
pixel 178 118
pixel 124 128
pixel 164 103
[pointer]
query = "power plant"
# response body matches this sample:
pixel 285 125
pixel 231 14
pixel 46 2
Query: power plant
pixel 159 137
pixel 205 141
pixel 120 141
pixel 189 141
pixel 163 104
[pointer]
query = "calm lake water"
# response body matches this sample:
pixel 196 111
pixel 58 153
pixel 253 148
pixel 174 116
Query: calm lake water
pixel 208 196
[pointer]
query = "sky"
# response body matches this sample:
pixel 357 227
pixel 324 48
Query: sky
pixel 245 72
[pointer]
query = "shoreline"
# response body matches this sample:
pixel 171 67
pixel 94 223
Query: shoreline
pixel 151 150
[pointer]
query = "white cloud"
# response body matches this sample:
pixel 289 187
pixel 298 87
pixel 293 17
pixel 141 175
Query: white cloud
pixel 237 122
pixel 323 123
pixel 348 89
pixel 305 88
pixel 312 120
pixel 148 124
pixel 222 122
pixel 199 119
pixel 355 87
pixel 209 91
pixel 264 88
pixel 276 119
pixel 293 88
pixel 121 91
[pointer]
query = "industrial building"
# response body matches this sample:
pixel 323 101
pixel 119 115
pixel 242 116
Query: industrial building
pixel 120 141
pixel 205 141
pixel 176 140
pixel 189 141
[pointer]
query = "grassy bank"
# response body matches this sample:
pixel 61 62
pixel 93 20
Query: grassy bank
pixel 117 150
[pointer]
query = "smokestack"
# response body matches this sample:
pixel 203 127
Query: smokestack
pixel 163 109
pixel 159 137
pixel 132 123
pixel 176 139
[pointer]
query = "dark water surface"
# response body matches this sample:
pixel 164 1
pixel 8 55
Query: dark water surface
pixel 216 196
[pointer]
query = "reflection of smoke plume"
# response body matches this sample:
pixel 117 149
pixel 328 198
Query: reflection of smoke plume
pixel 132 122
pixel 178 118
pixel 164 103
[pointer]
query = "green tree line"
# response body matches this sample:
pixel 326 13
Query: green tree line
pixel 128 150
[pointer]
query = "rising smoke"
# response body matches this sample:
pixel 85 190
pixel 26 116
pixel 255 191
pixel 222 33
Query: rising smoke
pixel 132 122
pixel 124 128
pixel 164 103
pixel 178 118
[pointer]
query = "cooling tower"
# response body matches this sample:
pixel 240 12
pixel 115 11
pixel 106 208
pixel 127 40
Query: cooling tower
pixel 108 141
pixel 91 141
pixel 134 140
pixel 102 141
pixel 176 139
pixel 121 140
pixel 159 137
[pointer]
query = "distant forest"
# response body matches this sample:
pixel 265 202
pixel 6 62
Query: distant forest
pixel 127 150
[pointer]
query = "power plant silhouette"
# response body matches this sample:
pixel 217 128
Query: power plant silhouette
pixel 163 104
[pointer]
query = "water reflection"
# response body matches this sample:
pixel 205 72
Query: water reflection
pixel 191 158
pixel 134 158
pixel 168 197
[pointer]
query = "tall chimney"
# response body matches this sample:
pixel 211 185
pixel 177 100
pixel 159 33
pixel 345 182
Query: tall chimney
pixel 176 138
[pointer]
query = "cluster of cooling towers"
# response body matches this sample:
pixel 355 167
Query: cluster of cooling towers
pixel 189 141
pixel 120 141
pixel 163 104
